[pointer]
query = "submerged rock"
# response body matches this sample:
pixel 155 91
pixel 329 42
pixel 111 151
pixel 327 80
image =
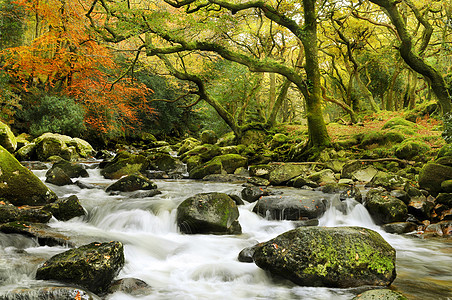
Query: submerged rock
pixel 58 177
pixel 73 170
pixel 290 207
pixel 44 234
pixel 208 213
pixel 19 185
pixel 380 294
pixel 131 286
pixel 92 266
pixel 333 257
pixel 50 292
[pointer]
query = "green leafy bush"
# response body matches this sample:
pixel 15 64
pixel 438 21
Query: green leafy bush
pixel 57 114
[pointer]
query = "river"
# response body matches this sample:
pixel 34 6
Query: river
pixel 179 266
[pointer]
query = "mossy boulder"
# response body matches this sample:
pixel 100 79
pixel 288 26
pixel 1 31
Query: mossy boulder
pixel 232 162
pixel 93 266
pixel 253 136
pixel 253 193
pixel 58 177
pixel 278 140
pixel 51 144
pixel 380 294
pixel 262 171
pixel 11 213
pixel 73 170
pixel 19 185
pixel 323 177
pixel 208 137
pixel 206 152
pixel 208 213
pixel 385 208
pixel 445 150
pixel 84 149
pixel 344 190
pixel 124 164
pixel 227 163
pixel 187 145
pixel 381 138
pixel 282 173
pixel 410 148
pixel 421 207
pixel 163 162
pixel 66 208
pixel 132 183
pixel 209 168
pixel 387 180
pixel 290 207
pixel 339 257
pixel 432 175
pixel 26 152
pixel 7 138
pixel 398 121
pixel 42 233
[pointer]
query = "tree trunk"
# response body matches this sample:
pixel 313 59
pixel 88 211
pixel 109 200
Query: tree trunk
pixel 416 62
pixel 318 135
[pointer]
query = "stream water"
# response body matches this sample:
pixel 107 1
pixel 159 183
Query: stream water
pixel 179 266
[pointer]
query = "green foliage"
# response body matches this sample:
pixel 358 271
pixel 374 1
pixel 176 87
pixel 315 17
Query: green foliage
pixel 9 101
pixel 11 24
pixel 447 133
pixel 57 114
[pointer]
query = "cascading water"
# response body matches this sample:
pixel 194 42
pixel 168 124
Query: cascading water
pixel 179 266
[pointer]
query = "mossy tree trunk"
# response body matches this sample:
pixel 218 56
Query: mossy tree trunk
pixel 415 61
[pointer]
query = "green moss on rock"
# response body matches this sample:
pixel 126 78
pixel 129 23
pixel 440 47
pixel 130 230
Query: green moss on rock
pixel 123 164
pixel 19 185
pixel 7 138
pixel 410 148
pixel 333 257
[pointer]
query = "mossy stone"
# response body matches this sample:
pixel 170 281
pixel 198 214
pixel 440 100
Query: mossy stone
pixel 132 183
pixel 66 208
pixel 432 175
pixel 211 167
pixel 7 138
pixel 187 145
pixel 339 257
pixel 411 148
pixel 124 164
pixel 385 208
pixel 208 137
pixel 93 266
pixel 19 185
pixel 380 294
pixel 214 213
pixel 398 121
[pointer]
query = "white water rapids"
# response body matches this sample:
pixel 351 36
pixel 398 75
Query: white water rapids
pixel 179 266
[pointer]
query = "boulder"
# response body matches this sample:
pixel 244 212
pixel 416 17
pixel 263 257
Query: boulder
pixel 385 208
pixel 19 185
pixel 187 145
pixel 208 137
pixel 246 255
pixel 124 164
pixel 382 294
pixel 410 148
pixel 278 140
pixel 7 138
pixel 84 149
pixel 290 207
pixel 44 234
pixel 163 162
pixel 253 193
pixel 323 177
pixel 340 257
pixel 387 180
pixel 400 227
pixel 49 292
pixel 26 152
pixel 284 172
pixel 206 152
pixel 302 181
pixel 262 171
pixel 66 208
pixel 51 144
pixel 130 286
pixel 73 170
pixel 92 266
pixel 211 167
pixel 11 213
pixel 132 183
pixel 364 175
pixel 344 190
pixel 432 175
pixel 208 213
pixel 58 177
pixel 421 207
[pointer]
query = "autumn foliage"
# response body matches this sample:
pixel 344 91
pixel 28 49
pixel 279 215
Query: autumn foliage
pixel 62 57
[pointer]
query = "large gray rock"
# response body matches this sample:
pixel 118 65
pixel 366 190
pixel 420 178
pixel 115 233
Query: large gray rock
pixel 333 257
pixel 19 185
pixel 208 213
pixel 385 208
pixel 290 207
pixel 7 138
pixel 92 266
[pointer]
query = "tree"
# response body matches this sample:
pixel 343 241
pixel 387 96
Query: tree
pixel 196 28
pixel 415 58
